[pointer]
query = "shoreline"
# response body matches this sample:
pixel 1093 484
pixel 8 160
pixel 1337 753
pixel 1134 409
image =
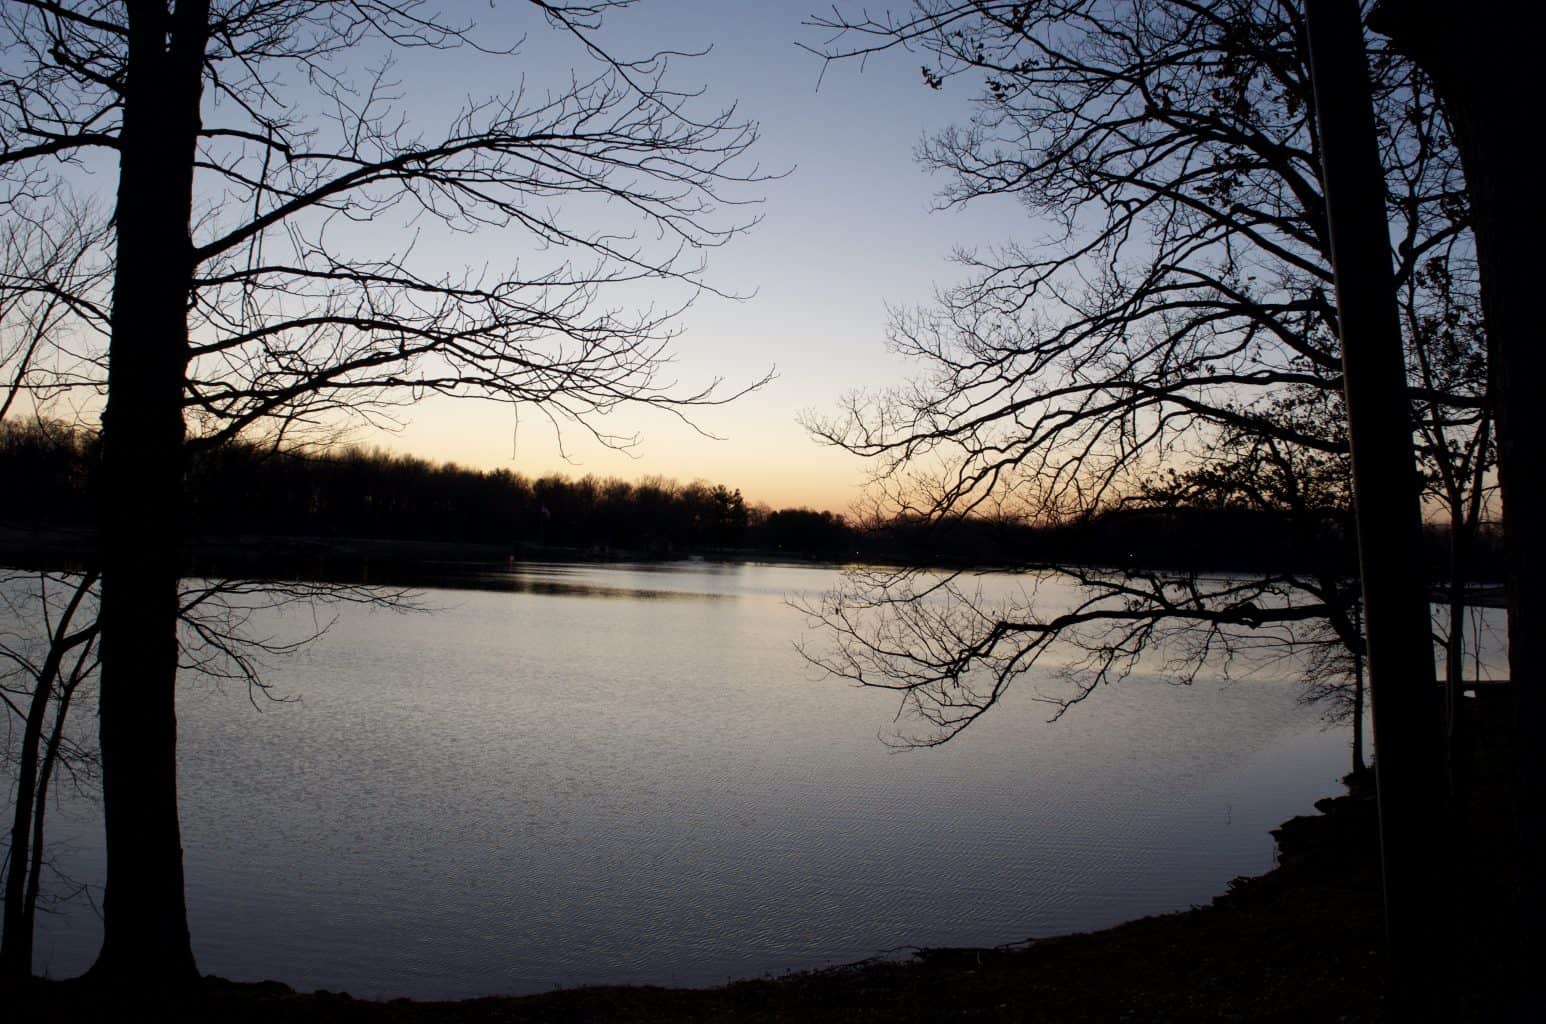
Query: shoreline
pixel 467 565
pixel 1300 942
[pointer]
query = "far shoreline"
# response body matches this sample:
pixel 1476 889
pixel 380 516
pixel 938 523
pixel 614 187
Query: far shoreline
pixel 464 565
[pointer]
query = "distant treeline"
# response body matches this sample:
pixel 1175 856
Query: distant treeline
pixel 243 491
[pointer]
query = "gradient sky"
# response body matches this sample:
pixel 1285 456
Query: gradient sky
pixel 849 230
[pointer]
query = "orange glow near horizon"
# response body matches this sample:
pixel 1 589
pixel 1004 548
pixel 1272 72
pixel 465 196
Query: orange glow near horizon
pixel 776 465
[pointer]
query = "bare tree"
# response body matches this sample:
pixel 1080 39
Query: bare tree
pixel 1177 149
pixel 31 688
pixel 1456 447
pixel 1172 148
pixel 1179 315
pixel 47 657
pixel 1483 60
pixel 53 267
pixel 247 135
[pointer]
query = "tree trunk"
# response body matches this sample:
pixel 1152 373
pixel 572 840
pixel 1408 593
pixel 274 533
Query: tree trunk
pixel 1485 61
pixel 40 810
pixel 1360 763
pixel 16 942
pixel 1407 727
pixel 145 929
pixel 1454 653
pixel 31 786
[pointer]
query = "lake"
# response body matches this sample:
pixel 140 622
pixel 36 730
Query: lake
pixel 628 774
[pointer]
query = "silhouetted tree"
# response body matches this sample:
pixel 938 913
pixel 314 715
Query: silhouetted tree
pixel 1175 147
pixel 1173 144
pixel 250 317
pixel 1485 60
pixel 728 517
pixel 47 468
pixel 38 683
pixel 1418 887
pixel 1308 495
pixel 805 532
pixel 52 264
pixel 48 656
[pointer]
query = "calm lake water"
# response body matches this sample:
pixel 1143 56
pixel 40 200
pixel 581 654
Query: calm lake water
pixel 628 774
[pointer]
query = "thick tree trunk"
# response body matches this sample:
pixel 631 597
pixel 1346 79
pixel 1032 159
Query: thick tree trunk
pixel 145 939
pixel 1407 727
pixel 1485 61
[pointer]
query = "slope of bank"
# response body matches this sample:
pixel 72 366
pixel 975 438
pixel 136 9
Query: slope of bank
pixel 1301 943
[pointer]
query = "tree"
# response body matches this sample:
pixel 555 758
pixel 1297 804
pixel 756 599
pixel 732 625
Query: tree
pixel 1456 451
pixel 1308 494
pixel 49 261
pixel 42 673
pixel 1419 894
pixel 727 517
pixel 1184 292
pixel 236 310
pixel 1483 60
pixel 1178 150
pixel 1185 297
pixel 47 684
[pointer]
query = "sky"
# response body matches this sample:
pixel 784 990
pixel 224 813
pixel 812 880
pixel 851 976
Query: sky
pixel 851 228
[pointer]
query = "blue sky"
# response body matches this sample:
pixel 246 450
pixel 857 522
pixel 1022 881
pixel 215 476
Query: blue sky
pixel 850 229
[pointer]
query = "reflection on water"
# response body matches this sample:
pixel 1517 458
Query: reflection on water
pixel 564 588
pixel 537 787
pixel 615 580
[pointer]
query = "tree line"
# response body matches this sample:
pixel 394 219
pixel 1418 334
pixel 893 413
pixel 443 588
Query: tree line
pixel 243 490
pixel 49 471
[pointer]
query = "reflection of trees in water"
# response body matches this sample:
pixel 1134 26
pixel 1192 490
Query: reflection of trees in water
pixel 952 649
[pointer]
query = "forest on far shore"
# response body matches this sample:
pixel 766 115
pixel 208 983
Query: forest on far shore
pixel 243 491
